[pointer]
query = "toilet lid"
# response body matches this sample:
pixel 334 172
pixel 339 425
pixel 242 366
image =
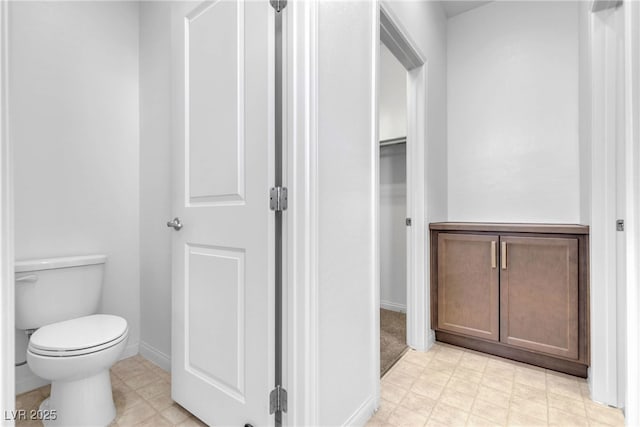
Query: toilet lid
pixel 81 333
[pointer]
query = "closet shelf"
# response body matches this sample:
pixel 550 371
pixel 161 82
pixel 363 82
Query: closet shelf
pixel 393 141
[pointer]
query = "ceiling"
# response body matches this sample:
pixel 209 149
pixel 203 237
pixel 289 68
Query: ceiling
pixel 456 7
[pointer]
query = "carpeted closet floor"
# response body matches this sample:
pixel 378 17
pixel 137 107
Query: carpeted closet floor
pixel 393 338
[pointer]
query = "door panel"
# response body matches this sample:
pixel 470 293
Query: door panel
pixel 223 257
pixel 214 62
pixel 539 294
pixel 468 285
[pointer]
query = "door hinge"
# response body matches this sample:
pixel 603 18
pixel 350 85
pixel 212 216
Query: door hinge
pixel 620 225
pixel 278 5
pixel 407 222
pixel 278 199
pixel 278 400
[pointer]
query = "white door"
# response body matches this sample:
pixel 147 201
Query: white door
pixel 222 339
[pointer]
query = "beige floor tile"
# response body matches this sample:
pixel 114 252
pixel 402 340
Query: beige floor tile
pixel 126 400
pixel 161 402
pixel 145 378
pixel 443 366
pixel 525 391
pixel 128 368
pixel 531 378
pixel 418 403
pixel 156 421
pixel 45 391
pixel 435 377
pixel 449 415
pixel 392 393
pixel 502 384
pixel 400 379
pixel 499 372
pixel 385 409
pixel 467 374
pixel 192 422
pixel 517 419
pixel 529 408
pixel 435 423
pixel 30 400
pixel 497 414
pixel 408 368
pixel 475 364
pixel 493 396
pixel 175 414
pixel 571 390
pixel 154 389
pixel 563 419
pixel 457 399
pixel 477 421
pixel 417 357
pixel 463 385
pixel 135 415
pixel 427 389
pixel 604 414
pixel 499 362
pixel 565 404
pixel 402 416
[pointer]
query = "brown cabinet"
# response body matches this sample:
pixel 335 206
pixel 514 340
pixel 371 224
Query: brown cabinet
pixel 517 291
pixel 468 297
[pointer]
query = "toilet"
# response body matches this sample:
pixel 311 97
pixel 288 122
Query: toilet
pixel 72 346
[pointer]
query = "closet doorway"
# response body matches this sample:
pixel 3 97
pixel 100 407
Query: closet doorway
pixel 392 129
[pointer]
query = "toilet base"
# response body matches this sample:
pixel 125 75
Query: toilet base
pixel 82 402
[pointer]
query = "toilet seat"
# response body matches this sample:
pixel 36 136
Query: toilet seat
pixel 80 336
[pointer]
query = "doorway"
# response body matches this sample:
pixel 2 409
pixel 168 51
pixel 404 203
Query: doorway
pixel 392 128
pixel 401 181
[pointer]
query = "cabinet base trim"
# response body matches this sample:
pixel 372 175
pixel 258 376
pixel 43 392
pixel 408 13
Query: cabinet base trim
pixel 548 362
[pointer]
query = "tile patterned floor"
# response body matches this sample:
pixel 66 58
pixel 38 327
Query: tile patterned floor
pixel 452 386
pixel 142 394
pixel 446 386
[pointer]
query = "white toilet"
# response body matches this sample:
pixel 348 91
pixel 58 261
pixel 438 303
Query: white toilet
pixel 72 347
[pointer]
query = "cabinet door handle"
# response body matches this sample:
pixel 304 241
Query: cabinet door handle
pixel 494 254
pixel 503 255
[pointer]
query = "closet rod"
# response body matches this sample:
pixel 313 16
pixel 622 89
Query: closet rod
pixel 393 141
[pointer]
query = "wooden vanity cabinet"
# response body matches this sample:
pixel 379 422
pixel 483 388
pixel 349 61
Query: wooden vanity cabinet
pixel 468 298
pixel 517 291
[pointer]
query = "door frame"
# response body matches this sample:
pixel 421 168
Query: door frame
pixel 613 357
pixel 398 40
pixel 632 171
pixel 7 306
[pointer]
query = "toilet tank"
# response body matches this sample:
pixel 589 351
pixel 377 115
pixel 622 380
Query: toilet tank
pixel 56 289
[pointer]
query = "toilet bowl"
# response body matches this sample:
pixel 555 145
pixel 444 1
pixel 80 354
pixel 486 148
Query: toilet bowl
pixel 72 346
pixel 75 355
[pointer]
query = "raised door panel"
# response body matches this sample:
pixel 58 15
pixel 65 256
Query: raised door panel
pixel 539 294
pixel 468 299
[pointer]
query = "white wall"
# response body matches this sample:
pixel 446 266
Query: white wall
pixel 392 123
pixel 513 77
pixel 346 212
pixel 74 129
pixel 392 101
pixel 155 181
pixel 426 23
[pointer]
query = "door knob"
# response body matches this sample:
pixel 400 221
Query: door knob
pixel 175 223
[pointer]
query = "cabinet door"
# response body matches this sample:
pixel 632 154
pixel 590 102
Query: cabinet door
pixel 539 294
pixel 468 285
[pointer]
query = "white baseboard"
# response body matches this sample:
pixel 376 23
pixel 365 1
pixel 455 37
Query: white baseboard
pixel 388 305
pixel 363 413
pixel 156 356
pixel 130 350
pixel 29 381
